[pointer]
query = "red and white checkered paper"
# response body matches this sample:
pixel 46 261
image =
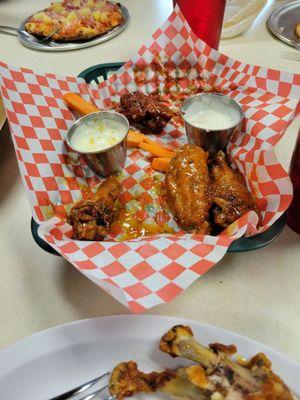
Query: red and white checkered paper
pixel 144 272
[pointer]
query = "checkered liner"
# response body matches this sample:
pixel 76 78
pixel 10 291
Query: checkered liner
pixel 144 272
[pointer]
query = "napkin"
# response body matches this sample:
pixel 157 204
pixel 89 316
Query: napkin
pixel 239 16
pixel 148 271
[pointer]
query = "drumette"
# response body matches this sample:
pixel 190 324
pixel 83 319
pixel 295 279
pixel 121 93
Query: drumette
pixel 91 218
pixel 126 380
pixel 255 380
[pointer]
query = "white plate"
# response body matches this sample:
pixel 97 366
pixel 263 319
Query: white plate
pixel 53 361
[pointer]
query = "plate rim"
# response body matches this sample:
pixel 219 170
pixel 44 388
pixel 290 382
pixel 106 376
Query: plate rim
pixel 274 32
pixel 173 320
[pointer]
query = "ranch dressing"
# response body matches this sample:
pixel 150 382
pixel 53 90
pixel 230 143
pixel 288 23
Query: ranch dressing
pixel 97 135
pixel 212 114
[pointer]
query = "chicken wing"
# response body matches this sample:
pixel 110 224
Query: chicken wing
pixel 215 376
pixel 145 112
pixel 187 181
pixel 253 381
pixel 126 380
pixel 91 218
pixel 229 193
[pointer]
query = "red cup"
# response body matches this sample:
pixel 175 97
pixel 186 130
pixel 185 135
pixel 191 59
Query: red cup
pixel 205 17
pixel 293 213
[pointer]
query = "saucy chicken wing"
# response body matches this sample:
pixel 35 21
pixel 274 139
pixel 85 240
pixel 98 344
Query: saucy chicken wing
pixel 187 181
pixel 145 112
pixel 229 193
pixel 91 218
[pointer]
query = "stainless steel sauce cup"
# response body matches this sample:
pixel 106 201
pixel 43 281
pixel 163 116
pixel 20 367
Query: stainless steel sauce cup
pixel 109 160
pixel 210 140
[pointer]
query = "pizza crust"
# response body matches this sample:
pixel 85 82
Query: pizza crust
pixel 297 30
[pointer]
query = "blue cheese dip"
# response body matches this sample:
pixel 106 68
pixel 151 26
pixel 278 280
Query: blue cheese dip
pixel 212 113
pixel 97 135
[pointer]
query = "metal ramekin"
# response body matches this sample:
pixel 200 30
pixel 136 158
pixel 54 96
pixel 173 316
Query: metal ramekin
pixel 110 160
pixel 210 140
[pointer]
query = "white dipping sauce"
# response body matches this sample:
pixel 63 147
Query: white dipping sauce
pixel 212 113
pixel 97 135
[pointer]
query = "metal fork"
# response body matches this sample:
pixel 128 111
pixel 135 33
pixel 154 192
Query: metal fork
pixel 77 392
pixel 10 30
pixel 80 390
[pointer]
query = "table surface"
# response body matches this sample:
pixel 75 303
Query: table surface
pixel 255 294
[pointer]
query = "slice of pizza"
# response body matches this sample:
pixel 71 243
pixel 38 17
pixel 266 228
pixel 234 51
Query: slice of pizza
pixel 75 19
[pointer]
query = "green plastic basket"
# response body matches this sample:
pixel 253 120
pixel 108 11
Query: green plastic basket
pixel 100 72
pixel 96 74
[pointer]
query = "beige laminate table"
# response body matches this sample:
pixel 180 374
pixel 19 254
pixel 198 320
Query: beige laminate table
pixel 256 294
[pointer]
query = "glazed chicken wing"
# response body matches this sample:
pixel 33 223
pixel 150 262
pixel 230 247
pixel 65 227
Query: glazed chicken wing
pixel 145 112
pixel 91 218
pixel 187 181
pixel 229 193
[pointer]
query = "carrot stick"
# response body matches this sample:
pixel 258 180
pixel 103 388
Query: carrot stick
pixel 160 164
pixel 157 150
pixel 77 103
pixel 134 139
pixel 135 135
pixel 149 141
